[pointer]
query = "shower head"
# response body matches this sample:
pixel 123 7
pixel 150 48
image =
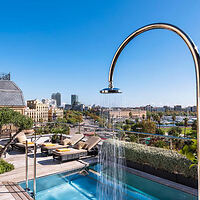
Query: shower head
pixel 110 91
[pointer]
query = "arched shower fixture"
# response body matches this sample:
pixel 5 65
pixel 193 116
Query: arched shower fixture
pixel 196 58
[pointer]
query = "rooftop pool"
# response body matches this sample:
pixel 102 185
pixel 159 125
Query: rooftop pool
pixel 64 186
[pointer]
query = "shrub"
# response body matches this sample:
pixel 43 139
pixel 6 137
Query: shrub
pixel 179 123
pixel 175 131
pixel 160 131
pixel 159 143
pixel 5 167
pixel 159 158
pixel 190 150
pixel 132 138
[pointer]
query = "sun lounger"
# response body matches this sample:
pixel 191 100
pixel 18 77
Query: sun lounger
pixel 20 142
pixel 47 148
pixel 76 152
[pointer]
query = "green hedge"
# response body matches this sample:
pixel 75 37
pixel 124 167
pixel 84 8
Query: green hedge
pixel 5 167
pixel 158 158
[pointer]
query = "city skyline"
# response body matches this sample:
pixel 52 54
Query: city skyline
pixel 70 48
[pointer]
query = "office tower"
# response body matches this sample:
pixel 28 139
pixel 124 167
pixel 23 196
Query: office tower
pixel 57 97
pixel 74 99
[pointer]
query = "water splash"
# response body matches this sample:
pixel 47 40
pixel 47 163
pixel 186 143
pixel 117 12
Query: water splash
pixel 112 177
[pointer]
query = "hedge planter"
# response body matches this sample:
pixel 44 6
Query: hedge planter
pixel 160 162
pixel 134 165
pixel 178 178
pixel 187 181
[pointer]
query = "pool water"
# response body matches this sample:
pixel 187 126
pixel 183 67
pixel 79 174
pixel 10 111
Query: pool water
pixel 78 187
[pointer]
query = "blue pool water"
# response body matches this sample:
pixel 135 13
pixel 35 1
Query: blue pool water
pixel 78 187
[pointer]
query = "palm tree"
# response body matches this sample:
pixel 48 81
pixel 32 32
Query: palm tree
pixel 148 116
pixel 158 120
pixel 130 115
pixel 174 118
pixel 154 116
pixel 160 114
pixel 185 124
pixel 136 120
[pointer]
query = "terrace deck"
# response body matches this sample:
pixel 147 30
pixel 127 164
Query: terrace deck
pixel 17 191
pixel 45 166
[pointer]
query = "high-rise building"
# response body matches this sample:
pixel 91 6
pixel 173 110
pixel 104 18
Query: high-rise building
pixel 149 108
pixel 57 97
pixel 178 108
pixel 51 102
pixel 74 99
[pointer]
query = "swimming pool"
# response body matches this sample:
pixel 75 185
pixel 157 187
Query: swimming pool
pixel 63 186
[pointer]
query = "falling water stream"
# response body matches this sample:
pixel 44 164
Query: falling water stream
pixel 112 160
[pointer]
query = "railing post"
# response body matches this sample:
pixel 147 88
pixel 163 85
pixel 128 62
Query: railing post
pixel 26 165
pixel 34 181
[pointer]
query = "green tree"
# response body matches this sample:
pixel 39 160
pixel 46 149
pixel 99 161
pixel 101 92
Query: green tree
pixel 132 138
pixel 136 120
pixel 190 150
pixel 9 116
pixel 130 115
pixel 148 116
pixel 185 124
pixel 160 131
pixel 194 125
pixel 127 121
pixel 160 114
pixel 127 127
pixel 156 118
pixel 175 131
pixel 145 126
pixel 73 117
pixel 173 118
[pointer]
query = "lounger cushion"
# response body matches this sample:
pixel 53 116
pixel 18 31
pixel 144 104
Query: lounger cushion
pixel 62 150
pixel 66 142
pixel 56 146
pixel 21 137
pixel 27 143
pixel 80 145
pixel 48 145
pixel 23 145
pixel 70 151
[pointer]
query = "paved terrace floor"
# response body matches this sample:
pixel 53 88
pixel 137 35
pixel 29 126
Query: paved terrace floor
pixel 45 166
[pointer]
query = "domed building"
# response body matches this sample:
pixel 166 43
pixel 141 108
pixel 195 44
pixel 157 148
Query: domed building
pixel 11 95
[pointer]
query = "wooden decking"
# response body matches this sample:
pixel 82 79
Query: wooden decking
pixel 17 191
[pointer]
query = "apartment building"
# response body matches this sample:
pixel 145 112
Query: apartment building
pixel 54 113
pixel 127 113
pixel 37 110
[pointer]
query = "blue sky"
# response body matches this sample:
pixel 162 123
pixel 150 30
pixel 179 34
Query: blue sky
pixel 67 46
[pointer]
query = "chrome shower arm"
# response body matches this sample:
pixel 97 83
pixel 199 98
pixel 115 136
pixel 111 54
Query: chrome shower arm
pixel 173 28
pixel 196 58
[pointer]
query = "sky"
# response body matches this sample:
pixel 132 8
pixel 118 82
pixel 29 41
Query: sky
pixel 67 46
